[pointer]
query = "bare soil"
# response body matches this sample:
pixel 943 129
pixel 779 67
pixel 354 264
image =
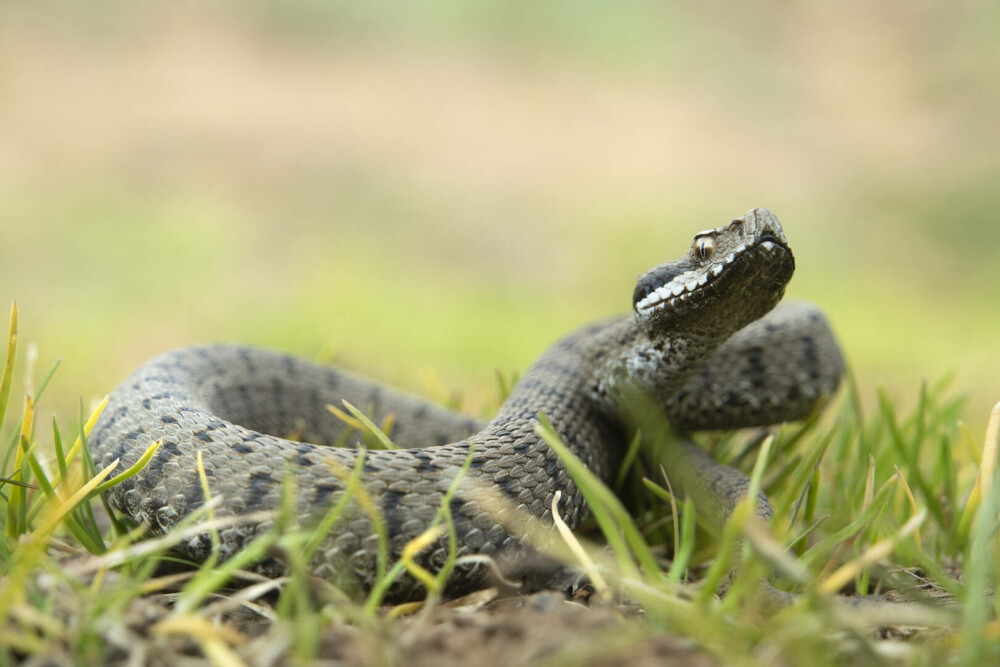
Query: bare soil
pixel 544 628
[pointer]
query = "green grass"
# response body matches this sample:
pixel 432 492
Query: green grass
pixel 863 503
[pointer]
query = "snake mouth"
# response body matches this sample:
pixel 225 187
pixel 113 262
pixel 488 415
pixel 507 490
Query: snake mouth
pixel 683 289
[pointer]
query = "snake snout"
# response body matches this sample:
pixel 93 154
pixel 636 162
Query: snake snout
pixel 764 225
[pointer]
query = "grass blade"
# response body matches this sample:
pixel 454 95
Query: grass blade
pixel 362 422
pixel 608 510
pixel 139 465
pixel 8 367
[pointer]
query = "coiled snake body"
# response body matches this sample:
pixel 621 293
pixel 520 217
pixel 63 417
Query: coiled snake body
pixel 701 342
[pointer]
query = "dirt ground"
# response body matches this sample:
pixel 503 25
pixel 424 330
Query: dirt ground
pixel 517 631
pixel 544 628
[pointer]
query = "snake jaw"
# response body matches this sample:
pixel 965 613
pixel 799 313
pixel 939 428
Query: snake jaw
pixel 754 244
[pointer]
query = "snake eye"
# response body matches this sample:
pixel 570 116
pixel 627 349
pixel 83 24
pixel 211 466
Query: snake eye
pixel 705 247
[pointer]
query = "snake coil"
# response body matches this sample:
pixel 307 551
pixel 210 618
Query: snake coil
pixel 703 341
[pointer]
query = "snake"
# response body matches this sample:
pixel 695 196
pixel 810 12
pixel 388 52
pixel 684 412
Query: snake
pixel 706 341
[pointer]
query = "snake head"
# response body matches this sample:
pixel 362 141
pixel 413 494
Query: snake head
pixel 731 276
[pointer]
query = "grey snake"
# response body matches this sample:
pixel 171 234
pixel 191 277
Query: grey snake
pixel 702 341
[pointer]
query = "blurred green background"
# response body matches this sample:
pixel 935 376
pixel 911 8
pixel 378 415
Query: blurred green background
pixel 451 185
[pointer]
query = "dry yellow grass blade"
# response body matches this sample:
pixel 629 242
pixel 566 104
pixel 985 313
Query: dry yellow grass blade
pixel 194 625
pixel 74 451
pixel 367 425
pixel 578 551
pixel 136 467
pixel 881 549
pixel 58 511
pixel 166 582
pixel 29 616
pixel 214 640
pixel 405 609
pixel 203 480
pixel 346 418
pixel 218 653
pixel 984 478
pixel 913 501
pixel 246 598
pixel 7 375
pixel 415 546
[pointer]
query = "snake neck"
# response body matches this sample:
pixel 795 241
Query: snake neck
pixel 580 382
pixel 624 359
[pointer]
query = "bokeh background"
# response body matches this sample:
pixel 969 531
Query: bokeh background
pixel 429 191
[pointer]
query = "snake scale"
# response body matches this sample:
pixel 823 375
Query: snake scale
pixel 702 341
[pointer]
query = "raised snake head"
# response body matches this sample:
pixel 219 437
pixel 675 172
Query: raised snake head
pixel 732 276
